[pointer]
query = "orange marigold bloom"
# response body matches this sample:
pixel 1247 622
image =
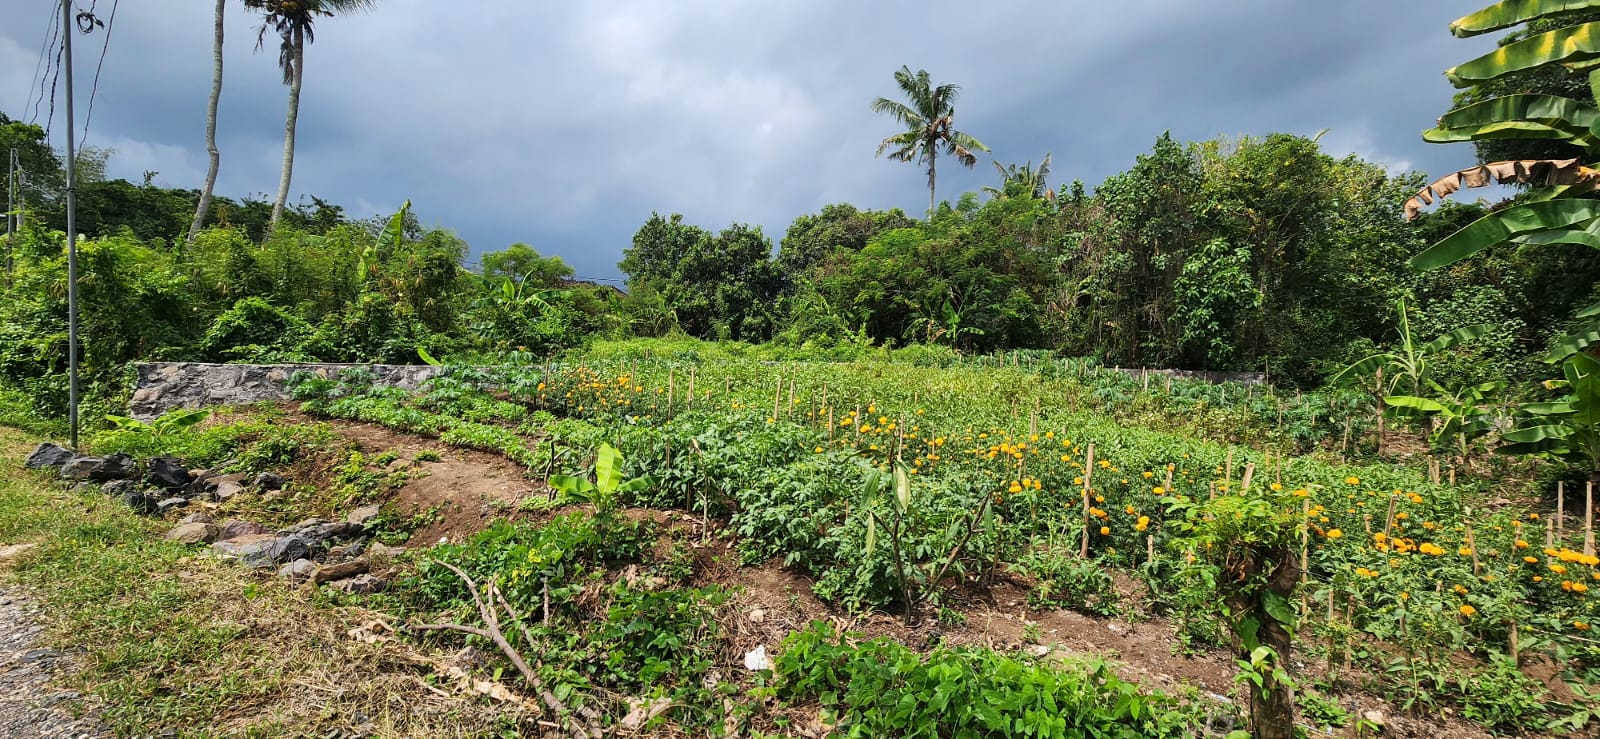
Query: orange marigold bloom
pixel 1467 610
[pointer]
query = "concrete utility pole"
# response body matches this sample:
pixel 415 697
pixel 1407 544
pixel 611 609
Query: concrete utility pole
pixel 72 232
pixel 11 208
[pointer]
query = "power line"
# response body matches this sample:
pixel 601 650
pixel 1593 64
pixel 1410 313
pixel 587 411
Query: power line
pixel 41 68
pixel 95 86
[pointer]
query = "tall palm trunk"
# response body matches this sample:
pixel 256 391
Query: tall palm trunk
pixel 211 127
pixel 933 156
pixel 289 124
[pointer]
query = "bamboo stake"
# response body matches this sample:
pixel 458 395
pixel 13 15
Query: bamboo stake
pixel 672 390
pixel 1561 506
pixel 1249 473
pixel 1388 519
pixel 1305 546
pixel 1452 477
pixel 689 402
pixel 1472 547
pixel 830 425
pixel 1549 534
pixel 1166 487
pixel 1227 475
pixel 1149 548
pixel 791 397
pixel 777 399
pixel 1516 658
pixel 1088 472
pixel 1588 519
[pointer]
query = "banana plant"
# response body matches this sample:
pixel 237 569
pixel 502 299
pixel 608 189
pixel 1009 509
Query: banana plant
pixel 1457 418
pixel 1568 428
pixel 607 484
pixel 1563 211
pixel 1409 363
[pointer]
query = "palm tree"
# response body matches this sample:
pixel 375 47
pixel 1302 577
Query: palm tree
pixel 1024 179
pixel 930 125
pixel 211 126
pixel 293 21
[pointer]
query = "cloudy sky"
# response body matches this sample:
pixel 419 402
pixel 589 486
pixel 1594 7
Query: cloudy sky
pixel 564 125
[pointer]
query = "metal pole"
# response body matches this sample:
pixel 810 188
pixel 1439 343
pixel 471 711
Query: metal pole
pixel 72 232
pixel 11 206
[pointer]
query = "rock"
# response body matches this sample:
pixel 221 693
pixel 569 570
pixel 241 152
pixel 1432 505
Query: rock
pixel 119 488
pixel 141 503
pixel 98 469
pixel 167 504
pixel 250 550
pixel 197 517
pixel 268 481
pixel 346 551
pixel 226 490
pixel 193 533
pixel 235 528
pixel 288 549
pixel 329 573
pixel 47 456
pixel 1375 717
pixel 358 585
pixel 397 465
pixel 167 473
pixel 299 569
pixel 79 468
pixel 364 515
pixel 757 615
pixel 333 531
pixel 379 549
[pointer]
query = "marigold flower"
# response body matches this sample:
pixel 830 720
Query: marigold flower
pixel 1334 533
pixel 1558 569
pixel 1143 523
pixel 1352 480
pixel 1521 544
pixel 1105 530
pixel 1467 610
pixel 1531 560
pixel 1158 490
pixel 1580 625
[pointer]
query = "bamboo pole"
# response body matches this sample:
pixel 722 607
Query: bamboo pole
pixel 1227 475
pixel 1088 473
pixel 1588 519
pixel 690 400
pixel 1549 534
pixel 1472 547
pixel 1249 474
pixel 1561 506
pixel 1388 519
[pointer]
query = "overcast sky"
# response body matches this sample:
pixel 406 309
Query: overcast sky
pixel 564 125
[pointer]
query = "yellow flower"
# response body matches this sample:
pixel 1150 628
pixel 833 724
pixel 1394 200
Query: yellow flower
pixel 1580 625
pixel 1416 498
pixel 1579 587
pixel 1334 533
pixel 1558 569
pixel 1158 490
pixel 1015 488
pixel 1143 523
pixel 1531 560
pixel 1464 551
pixel 1276 487
pixel 1521 544
pixel 1148 474
pixel 818 450
pixel 1352 480
pixel 1467 610
pixel 1105 530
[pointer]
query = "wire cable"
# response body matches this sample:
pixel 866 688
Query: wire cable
pixel 95 86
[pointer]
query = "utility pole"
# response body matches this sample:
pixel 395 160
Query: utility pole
pixel 11 208
pixel 72 231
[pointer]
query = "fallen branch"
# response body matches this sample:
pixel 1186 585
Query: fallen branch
pixel 493 632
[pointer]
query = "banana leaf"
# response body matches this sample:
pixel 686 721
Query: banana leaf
pixel 1460 335
pixel 1500 227
pixel 1519 116
pixel 1568 45
pixel 1508 13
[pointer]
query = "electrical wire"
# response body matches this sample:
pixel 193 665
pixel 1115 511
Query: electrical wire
pixel 95 86
pixel 41 68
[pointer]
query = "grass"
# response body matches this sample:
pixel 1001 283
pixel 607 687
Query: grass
pixel 179 645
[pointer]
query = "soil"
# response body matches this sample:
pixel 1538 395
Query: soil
pixel 467 490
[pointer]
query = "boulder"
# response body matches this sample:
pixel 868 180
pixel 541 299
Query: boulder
pixel 48 456
pixel 364 515
pixel 99 469
pixel 193 533
pixel 236 528
pixel 299 569
pixel 226 491
pixel 269 481
pixel 168 474
pixel 250 550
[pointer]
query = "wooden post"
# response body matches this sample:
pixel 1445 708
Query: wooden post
pixel 1452 477
pixel 1305 545
pixel 830 425
pixel 1549 534
pixel 1249 473
pixel 1472 546
pixel 777 399
pixel 1588 520
pixel 1227 475
pixel 672 390
pixel 1167 486
pixel 1366 520
pixel 1561 506
pixel 1149 548
pixel 690 401
pixel 1088 472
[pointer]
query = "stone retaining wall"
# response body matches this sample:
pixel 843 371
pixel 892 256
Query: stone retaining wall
pixel 164 386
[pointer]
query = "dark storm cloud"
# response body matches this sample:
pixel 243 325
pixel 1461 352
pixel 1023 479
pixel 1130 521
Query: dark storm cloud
pixel 564 125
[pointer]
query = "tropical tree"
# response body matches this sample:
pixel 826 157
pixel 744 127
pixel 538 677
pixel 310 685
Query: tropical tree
pixel 294 21
pixel 929 122
pixel 211 125
pixel 1023 179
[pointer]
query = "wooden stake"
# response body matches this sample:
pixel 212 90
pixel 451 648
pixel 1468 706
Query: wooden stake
pixel 1452 476
pixel 672 390
pixel 777 399
pixel 1249 473
pixel 830 425
pixel 1512 644
pixel 1561 506
pixel 1088 472
pixel 1472 546
pixel 689 402
pixel 1549 534
pixel 1149 548
pixel 1305 545
pixel 1588 519
pixel 1227 475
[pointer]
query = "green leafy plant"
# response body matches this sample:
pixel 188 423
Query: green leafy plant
pixel 607 484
